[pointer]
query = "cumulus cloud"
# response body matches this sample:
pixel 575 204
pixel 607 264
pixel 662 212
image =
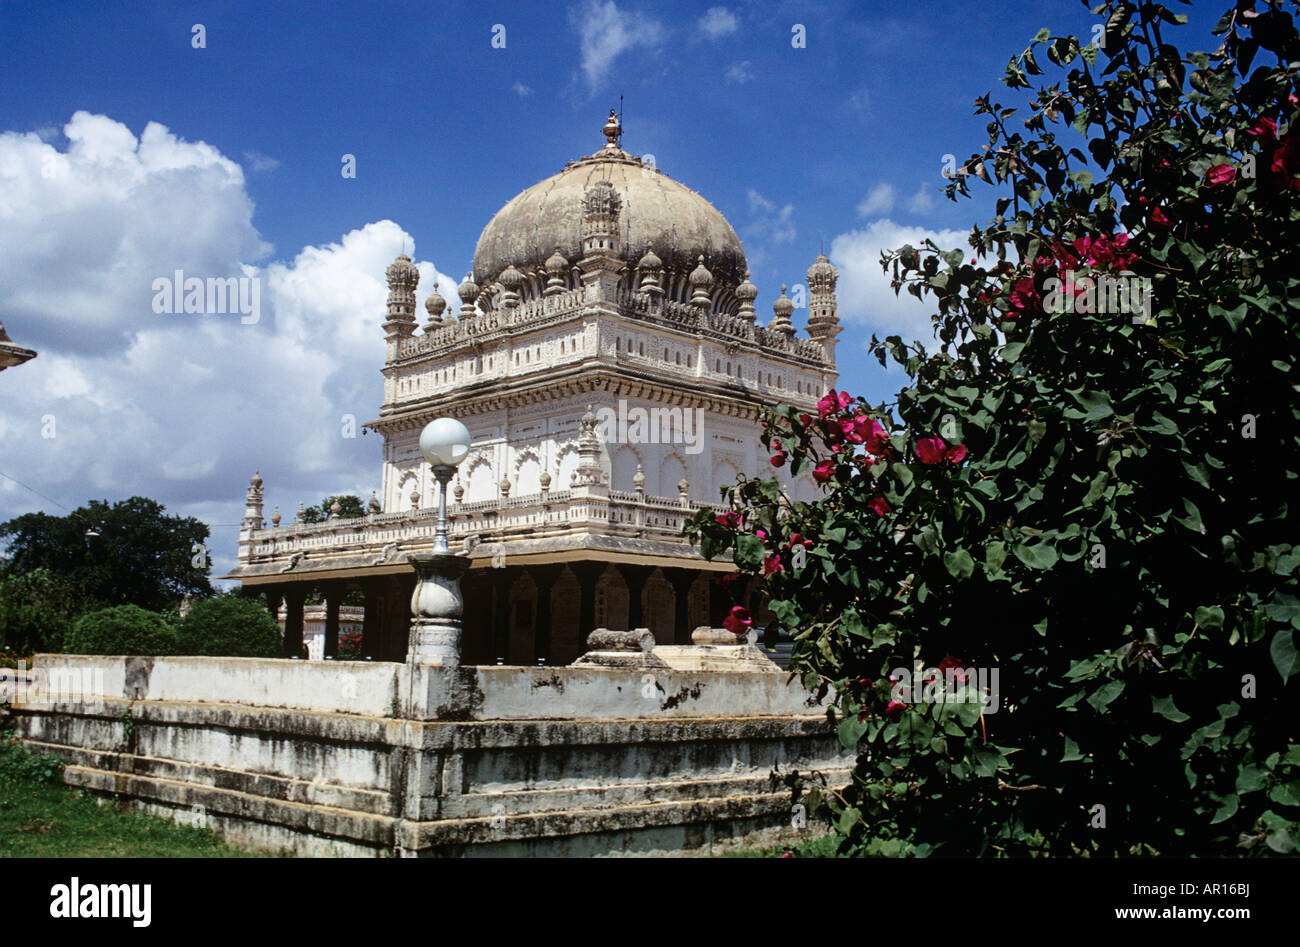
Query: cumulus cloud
pixel 178 407
pixel 774 223
pixel 521 90
pixel 879 200
pixel 718 22
pixel 863 291
pixel 740 72
pixel 605 32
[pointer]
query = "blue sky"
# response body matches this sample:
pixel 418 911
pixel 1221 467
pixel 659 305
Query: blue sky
pixel 839 142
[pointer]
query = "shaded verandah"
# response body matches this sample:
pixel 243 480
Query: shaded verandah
pixel 528 613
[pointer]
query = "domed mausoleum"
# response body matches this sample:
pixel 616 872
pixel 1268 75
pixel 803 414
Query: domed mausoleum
pixel 607 358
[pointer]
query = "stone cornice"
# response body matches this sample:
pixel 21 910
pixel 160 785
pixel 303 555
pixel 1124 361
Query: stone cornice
pixel 589 379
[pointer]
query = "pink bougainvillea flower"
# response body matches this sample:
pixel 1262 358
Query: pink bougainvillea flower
pixel 930 450
pixel 778 459
pixel 1265 128
pixel 738 621
pixel 761 534
pixel 730 519
pixel 833 402
pixel 933 450
pixel 894 709
pixel 772 565
pixel 1221 174
pixel 876 438
pixel 879 505
pixel 824 471
pixel 1024 296
pixel 1157 220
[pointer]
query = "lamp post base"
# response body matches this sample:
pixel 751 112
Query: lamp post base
pixel 436 608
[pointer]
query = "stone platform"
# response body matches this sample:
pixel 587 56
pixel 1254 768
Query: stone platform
pixel 379 759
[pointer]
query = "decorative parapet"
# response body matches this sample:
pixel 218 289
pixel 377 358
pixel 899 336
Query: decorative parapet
pixel 536 313
pixel 378 536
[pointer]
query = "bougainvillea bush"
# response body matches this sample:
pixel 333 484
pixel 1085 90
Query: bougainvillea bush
pixel 1087 485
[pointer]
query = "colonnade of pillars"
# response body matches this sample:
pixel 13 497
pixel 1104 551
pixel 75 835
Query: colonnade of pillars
pixel 503 624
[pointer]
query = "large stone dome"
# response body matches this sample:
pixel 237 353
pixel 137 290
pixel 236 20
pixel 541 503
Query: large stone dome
pixel 656 213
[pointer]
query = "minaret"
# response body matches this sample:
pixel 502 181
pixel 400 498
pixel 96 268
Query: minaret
pixel 589 472
pixel 468 292
pixel 252 520
pixel 781 310
pixel 651 267
pixel 823 312
pixel 253 503
pixel 701 281
pixel 557 268
pixel 747 292
pixel 435 305
pixel 403 278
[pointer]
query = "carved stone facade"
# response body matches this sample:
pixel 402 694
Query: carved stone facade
pixel 608 364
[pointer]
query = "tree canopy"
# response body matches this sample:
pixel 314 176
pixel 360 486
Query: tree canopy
pixel 137 555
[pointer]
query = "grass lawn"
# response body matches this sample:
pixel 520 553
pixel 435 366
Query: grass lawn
pixel 41 817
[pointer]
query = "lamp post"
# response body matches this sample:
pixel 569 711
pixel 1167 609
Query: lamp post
pixel 444 443
pixel 436 604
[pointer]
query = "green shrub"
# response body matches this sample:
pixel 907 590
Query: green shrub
pixel 231 627
pixel 18 764
pixel 122 629
pixel 1072 496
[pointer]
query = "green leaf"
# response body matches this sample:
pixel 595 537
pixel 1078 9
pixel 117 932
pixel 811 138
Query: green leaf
pixel 1281 842
pixel 749 551
pixel 1103 696
pixel 1209 617
pixel 851 731
pixel 1251 779
pixel 1038 556
pixel 1166 708
pixel 1283 652
pixel 1226 810
pixel 959 563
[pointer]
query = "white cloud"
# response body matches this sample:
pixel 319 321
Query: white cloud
pixel 775 224
pixel 879 200
pixel 260 162
pixel 864 295
pixel 521 90
pixel 860 100
pixel 180 408
pixel 922 201
pixel 718 22
pixel 740 72
pixel 605 32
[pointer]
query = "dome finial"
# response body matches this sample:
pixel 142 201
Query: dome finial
pixel 613 130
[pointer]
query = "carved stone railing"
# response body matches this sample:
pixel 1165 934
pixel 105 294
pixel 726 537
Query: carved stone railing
pixel 534 516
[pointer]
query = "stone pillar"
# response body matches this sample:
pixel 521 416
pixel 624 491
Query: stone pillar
pixel 682 580
pixel 436 608
pixel 293 599
pixel 634 577
pixel 587 574
pixel 333 599
pixel 543 577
